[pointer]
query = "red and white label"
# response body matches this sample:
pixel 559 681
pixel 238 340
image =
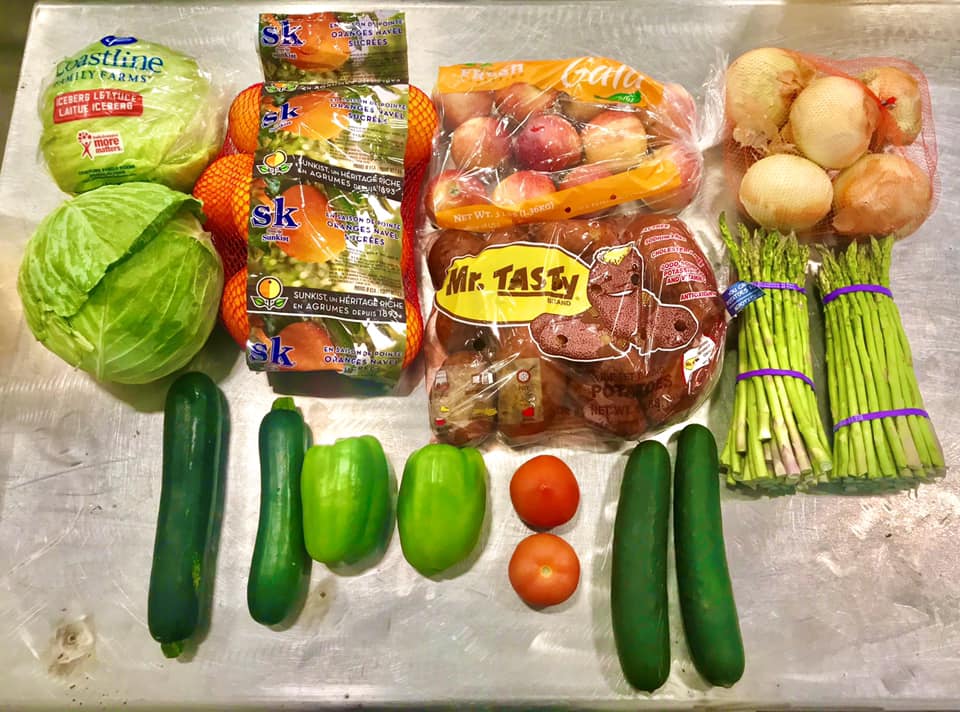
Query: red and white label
pixel 103 143
pixel 96 103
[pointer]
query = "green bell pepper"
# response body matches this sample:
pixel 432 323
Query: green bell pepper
pixel 440 508
pixel 346 499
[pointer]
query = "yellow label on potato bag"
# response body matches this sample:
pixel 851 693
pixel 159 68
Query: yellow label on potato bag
pixel 653 178
pixel 594 79
pixel 514 284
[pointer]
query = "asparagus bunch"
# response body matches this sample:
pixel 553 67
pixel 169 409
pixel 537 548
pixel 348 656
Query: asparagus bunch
pixel 870 370
pixel 777 439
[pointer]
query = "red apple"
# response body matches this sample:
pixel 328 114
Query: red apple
pixel 452 189
pixel 521 187
pixel 676 116
pixel 457 108
pixel 518 101
pixel 690 164
pixel 617 137
pixel 586 173
pixel 548 142
pixel 482 142
pixel 582 111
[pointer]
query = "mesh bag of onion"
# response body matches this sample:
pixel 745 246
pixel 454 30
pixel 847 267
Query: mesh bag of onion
pixel 831 149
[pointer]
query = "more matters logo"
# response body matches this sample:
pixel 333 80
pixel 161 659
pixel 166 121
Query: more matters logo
pixel 269 294
pixel 104 143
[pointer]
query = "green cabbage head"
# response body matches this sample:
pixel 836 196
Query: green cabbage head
pixel 123 110
pixel 122 282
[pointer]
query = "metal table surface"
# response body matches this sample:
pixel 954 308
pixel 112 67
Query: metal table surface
pixel 844 600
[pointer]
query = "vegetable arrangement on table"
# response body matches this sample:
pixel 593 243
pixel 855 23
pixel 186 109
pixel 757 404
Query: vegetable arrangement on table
pixel 565 304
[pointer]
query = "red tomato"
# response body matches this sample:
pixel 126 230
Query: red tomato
pixel 544 570
pixel 544 492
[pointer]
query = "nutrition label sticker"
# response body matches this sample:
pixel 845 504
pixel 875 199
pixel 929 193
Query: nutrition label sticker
pixel 739 295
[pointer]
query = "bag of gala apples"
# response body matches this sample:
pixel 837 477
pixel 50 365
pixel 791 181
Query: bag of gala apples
pixel 539 141
pixel 331 283
pixel 593 329
pixel 832 149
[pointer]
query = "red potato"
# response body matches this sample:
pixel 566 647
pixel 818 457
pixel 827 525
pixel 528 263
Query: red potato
pixel 577 236
pixel 521 187
pixel 581 175
pixel 458 108
pixel 507 235
pixel 456 336
pixel 520 101
pixel 449 245
pixel 452 189
pixel 482 142
pixel 548 143
pixel 616 138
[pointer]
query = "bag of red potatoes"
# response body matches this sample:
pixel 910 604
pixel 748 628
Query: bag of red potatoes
pixel 827 148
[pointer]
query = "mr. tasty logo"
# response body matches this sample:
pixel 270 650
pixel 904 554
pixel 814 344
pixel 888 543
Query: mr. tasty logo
pixel 513 284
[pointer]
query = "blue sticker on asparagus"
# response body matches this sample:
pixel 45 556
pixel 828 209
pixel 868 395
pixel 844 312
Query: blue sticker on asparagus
pixel 739 295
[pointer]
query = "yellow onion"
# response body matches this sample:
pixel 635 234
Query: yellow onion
pixel 881 194
pixel 786 192
pixel 832 121
pixel 760 85
pixel 899 93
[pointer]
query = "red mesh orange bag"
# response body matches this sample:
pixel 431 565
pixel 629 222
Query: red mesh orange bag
pixel 830 149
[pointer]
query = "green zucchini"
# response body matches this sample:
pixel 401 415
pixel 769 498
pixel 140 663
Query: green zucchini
pixel 638 586
pixel 193 430
pixel 703 581
pixel 280 563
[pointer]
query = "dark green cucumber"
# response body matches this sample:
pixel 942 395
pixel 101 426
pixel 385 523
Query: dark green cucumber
pixel 193 424
pixel 638 586
pixel 280 563
pixel 703 581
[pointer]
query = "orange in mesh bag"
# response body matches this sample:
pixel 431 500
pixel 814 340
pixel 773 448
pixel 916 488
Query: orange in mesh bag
pixel 830 148
pixel 224 188
pixel 536 141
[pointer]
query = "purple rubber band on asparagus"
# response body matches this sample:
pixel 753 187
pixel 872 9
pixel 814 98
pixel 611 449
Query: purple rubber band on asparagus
pixel 880 414
pixel 789 286
pixel 776 372
pixel 875 288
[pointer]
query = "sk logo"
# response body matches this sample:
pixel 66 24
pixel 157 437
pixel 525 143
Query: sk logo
pixel 268 294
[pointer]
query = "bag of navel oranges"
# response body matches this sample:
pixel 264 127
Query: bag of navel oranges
pixel 331 281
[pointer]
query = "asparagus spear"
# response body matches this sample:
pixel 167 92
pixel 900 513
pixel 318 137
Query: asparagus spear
pixel 776 439
pixel 870 370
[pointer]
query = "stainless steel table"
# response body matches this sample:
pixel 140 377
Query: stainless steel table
pixel 844 600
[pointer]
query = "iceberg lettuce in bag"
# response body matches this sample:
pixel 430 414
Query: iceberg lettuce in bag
pixel 122 110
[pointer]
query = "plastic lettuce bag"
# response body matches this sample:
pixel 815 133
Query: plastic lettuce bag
pixel 122 110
